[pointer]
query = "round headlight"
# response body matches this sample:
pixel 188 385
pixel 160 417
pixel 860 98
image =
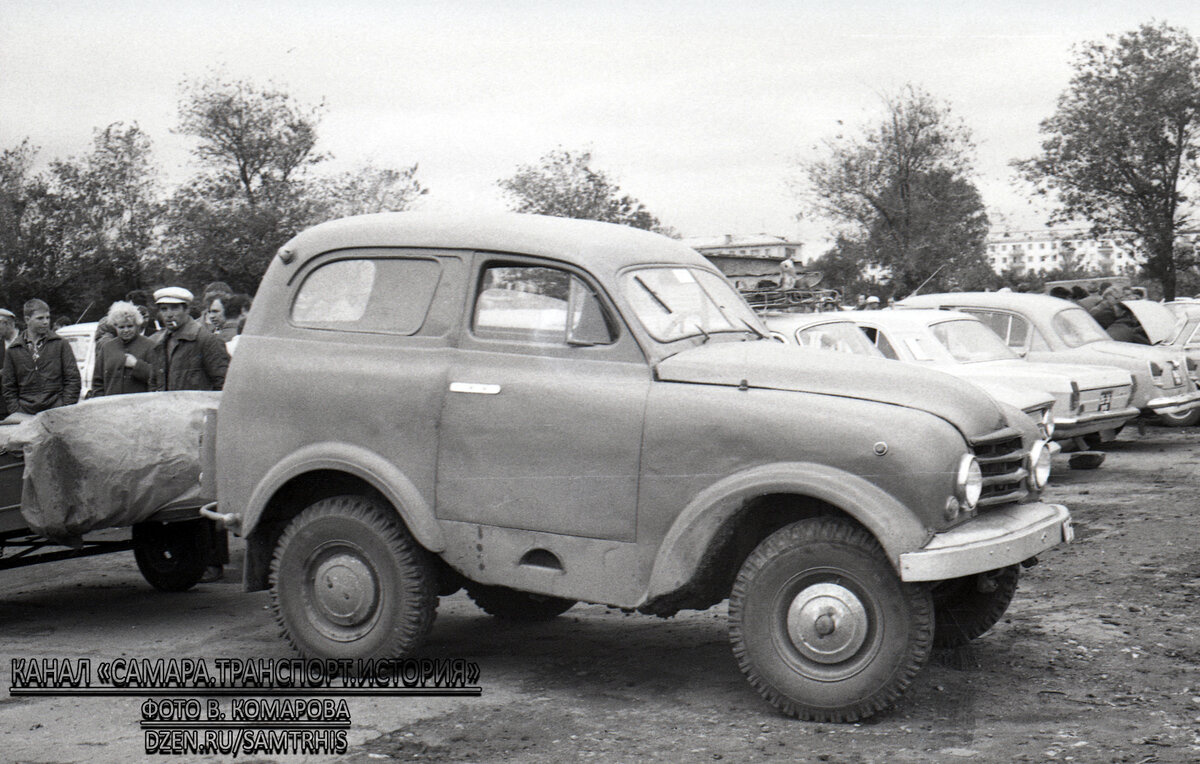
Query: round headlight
pixel 1039 465
pixel 969 483
pixel 1048 423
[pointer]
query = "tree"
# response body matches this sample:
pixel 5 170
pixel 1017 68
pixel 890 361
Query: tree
pixel 1120 150
pixel 901 190
pixel 563 184
pixel 371 189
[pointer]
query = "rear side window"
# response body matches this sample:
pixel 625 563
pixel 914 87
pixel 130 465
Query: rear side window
pixel 539 304
pixel 385 295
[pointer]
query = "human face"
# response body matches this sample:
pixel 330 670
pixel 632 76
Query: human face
pixel 126 328
pixel 173 314
pixel 216 314
pixel 39 323
pixel 7 327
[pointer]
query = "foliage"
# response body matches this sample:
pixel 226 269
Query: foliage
pixel 901 190
pixel 563 184
pixel 1120 150
pixel 370 189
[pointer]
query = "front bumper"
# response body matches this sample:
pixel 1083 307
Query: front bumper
pixel 1176 404
pixel 1086 424
pixel 995 539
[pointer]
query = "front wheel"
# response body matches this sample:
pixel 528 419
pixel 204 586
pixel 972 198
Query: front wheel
pixel 823 627
pixel 349 581
pixel 171 556
pixel 967 607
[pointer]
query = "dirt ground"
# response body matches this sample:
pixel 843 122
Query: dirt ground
pixel 1098 659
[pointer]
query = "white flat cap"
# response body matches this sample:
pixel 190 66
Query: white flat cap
pixel 6 313
pixel 173 295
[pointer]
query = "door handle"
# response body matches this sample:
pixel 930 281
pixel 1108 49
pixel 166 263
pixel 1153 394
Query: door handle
pixel 475 388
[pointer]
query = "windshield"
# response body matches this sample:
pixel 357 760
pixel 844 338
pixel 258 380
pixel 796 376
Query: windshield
pixel 840 336
pixel 1076 327
pixel 674 303
pixel 971 341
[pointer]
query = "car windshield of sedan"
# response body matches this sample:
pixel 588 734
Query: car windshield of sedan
pixel 971 341
pixel 1076 327
pixel 839 336
pixel 674 303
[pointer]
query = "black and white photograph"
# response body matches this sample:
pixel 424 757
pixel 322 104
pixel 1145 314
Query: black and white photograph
pixel 634 381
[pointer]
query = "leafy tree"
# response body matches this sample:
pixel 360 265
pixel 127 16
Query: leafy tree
pixel 371 189
pixel 563 184
pixel 1120 150
pixel 901 190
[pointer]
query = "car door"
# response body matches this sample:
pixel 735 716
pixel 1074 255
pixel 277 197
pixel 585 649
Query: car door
pixel 541 425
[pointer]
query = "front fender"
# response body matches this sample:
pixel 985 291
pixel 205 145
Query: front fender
pixel 372 468
pixel 897 528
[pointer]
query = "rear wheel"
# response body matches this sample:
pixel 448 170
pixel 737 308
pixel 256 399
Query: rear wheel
pixel 967 607
pixel 823 627
pixel 1180 420
pixel 513 605
pixel 171 556
pixel 349 581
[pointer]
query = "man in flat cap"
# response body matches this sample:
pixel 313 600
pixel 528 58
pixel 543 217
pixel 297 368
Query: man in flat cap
pixel 39 371
pixel 187 356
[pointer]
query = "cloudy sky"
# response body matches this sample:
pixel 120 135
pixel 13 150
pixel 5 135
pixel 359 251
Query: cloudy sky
pixel 699 109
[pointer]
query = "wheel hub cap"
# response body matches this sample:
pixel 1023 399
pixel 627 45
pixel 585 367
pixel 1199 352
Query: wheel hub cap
pixel 827 623
pixel 344 588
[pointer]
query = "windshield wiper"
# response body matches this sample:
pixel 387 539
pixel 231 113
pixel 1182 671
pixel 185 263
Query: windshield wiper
pixel 653 294
pixel 752 328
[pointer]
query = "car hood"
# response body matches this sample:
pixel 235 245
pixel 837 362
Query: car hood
pixel 1043 377
pixel 774 366
pixel 1157 319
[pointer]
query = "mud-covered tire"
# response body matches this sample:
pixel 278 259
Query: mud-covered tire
pixel 512 605
pixel 1180 420
pixel 349 581
pixel 823 627
pixel 171 556
pixel 965 608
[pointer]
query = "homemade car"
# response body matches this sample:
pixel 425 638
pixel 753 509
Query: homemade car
pixel 1083 400
pixel 1042 328
pixel 545 410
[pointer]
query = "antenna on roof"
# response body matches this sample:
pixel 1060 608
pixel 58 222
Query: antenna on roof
pixel 926 281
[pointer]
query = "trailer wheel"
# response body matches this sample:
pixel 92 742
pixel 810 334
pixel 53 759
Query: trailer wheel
pixel 171 556
pixel 349 581
pixel 823 627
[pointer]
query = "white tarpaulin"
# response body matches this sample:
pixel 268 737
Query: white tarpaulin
pixel 111 461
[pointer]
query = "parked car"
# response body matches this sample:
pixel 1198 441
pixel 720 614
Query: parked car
pixel 1082 400
pixel 543 410
pixel 1043 328
pixel 1175 325
pixel 839 333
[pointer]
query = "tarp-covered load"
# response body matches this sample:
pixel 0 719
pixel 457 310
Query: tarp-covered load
pixel 110 461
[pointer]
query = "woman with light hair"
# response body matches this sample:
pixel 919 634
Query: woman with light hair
pixel 123 361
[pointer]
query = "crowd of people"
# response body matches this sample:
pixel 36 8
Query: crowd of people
pixel 1106 307
pixel 137 351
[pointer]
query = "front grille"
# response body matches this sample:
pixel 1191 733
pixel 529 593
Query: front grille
pixel 1002 461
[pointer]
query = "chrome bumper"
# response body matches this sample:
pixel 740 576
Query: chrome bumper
pixel 995 539
pixel 1098 421
pixel 1176 404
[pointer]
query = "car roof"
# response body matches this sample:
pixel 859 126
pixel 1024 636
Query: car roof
pixel 592 244
pixel 1010 300
pixel 913 319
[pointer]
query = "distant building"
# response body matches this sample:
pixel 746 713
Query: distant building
pixel 1046 249
pixel 746 255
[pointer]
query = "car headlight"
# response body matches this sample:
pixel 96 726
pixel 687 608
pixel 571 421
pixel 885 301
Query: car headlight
pixel 969 483
pixel 1039 465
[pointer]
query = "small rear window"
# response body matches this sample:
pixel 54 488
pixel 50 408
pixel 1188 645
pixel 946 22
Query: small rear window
pixel 385 295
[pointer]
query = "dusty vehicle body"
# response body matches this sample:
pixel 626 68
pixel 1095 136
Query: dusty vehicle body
pixel 1083 400
pixel 546 410
pixel 1042 328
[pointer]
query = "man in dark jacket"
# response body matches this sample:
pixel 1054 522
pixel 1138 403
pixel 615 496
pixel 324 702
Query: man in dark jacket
pixel 8 333
pixel 39 370
pixel 186 356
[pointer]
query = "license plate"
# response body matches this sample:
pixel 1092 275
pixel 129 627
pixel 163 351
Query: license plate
pixel 1105 401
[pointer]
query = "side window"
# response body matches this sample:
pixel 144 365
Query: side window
pixel 997 322
pixel 539 304
pixel 385 295
pixel 1018 332
pixel 881 342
